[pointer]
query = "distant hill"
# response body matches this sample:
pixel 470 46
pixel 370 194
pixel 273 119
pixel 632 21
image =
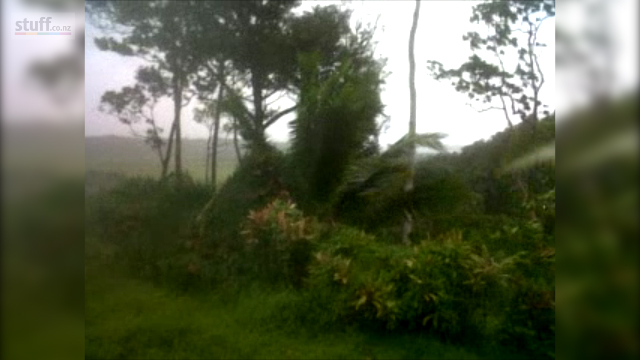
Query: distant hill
pixel 131 156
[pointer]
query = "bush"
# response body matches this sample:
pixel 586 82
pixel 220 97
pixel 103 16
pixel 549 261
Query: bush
pixel 150 223
pixel 255 183
pixel 530 313
pixel 444 286
pixel 377 205
pixel 493 284
pixel 278 242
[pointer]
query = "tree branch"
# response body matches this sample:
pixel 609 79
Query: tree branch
pixel 188 99
pixel 230 90
pixel 279 97
pixel 513 102
pixel 504 81
pixel 271 94
pixel 486 109
pixel 535 59
pixel 541 21
pixel 133 131
pixel 245 110
pixel 533 65
pixel 506 113
pixel 277 116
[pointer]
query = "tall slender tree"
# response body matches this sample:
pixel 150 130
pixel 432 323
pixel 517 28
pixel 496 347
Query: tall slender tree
pixel 216 130
pixel 158 32
pixel 203 116
pixel 486 76
pixel 135 106
pixel 211 115
pixel 253 38
pixel 409 185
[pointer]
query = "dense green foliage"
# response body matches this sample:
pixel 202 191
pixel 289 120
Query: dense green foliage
pixel 150 221
pixel 256 181
pixel 461 289
pixel 129 318
pixel 481 166
pixel 323 143
pixel 316 231
pixel 475 275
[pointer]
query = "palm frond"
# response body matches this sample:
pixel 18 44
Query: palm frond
pixel 429 140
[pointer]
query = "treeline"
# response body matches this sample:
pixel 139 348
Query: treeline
pixel 239 60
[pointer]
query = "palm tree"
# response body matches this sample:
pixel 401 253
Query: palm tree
pixel 381 180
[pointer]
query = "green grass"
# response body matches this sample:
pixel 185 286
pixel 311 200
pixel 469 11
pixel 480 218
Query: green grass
pixel 131 319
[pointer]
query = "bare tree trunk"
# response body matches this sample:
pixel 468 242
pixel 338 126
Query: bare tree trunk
pixel 216 128
pixel 409 185
pixel 235 141
pixel 207 162
pixel 258 137
pixel 165 161
pixel 177 104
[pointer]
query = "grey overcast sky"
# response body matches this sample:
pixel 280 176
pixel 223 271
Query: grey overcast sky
pixel 439 37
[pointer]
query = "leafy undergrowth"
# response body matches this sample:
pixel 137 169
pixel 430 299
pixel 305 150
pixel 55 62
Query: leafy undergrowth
pixel 132 319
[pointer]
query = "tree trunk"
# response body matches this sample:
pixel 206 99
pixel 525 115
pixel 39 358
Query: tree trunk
pixel 258 137
pixel 158 148
pixel 409 185
pixel 177 110
pixel 216 128
pixel 165 161
pixel 161 158
pixel 207 162
pixel 235 141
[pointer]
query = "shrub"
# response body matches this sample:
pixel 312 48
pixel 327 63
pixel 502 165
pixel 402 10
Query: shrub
pixel 256 182
pixel 149 222
pixel 529 316
pixel 331 279
pixel 374 199
pixel 278 242
pixel 444 286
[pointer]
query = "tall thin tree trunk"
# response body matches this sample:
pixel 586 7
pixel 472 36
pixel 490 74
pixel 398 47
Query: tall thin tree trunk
pixel 161 158
pixel 177 104
pixel 207 162
pixel 258 138
pixel 235 141
pixel 409 185
pixel 216 128
pixel 167 157
pixel 156 134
